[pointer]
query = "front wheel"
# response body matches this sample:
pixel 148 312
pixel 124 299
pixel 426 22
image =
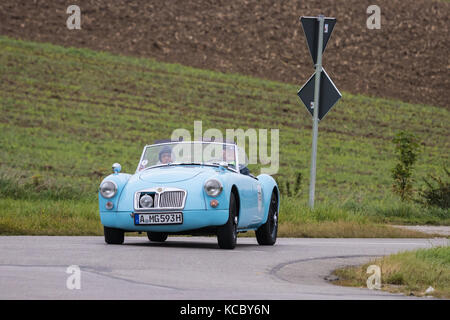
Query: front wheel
pixel 227 234
pixel 267 233
pixel 113 236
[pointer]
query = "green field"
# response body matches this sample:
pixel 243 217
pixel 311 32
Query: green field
pixel 67 114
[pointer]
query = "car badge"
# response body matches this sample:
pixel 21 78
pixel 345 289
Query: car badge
pixel 159 189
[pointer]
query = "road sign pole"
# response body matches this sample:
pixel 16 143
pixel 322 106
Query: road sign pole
pixel 312 186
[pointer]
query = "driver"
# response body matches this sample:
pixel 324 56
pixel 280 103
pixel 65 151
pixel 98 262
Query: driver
pixel 165 155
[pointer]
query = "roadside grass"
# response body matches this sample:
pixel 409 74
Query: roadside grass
pixel 392 210
pixel 67 114
pixel 344 229
pixel 80 217
pixel 410 272
pixel 49 217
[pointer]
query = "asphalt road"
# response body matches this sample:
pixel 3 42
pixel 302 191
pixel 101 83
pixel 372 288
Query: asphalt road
pixel 188 268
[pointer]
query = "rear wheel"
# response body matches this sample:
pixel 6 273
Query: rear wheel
pixel 157 236
pixel 227 234
pixel 113 235
pixel 267 233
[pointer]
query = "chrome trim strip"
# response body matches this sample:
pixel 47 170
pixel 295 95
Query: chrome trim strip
pixel 236 156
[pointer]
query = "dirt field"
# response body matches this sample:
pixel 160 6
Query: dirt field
pixel 407 59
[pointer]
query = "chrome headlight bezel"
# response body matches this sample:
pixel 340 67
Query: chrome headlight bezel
pixel 112 186
pixel 213 187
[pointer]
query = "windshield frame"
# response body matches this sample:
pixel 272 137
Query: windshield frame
pixel 185 163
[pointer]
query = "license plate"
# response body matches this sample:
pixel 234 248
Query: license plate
pixel 158 218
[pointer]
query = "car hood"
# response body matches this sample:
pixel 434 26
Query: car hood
pixel 187 177
pixel 170 174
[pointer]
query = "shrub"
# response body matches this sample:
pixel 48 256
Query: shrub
pixel 406 151
pixel 436 195
pixel 290 188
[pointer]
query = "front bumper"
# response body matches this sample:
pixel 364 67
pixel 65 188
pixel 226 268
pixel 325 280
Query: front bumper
pixel 192 220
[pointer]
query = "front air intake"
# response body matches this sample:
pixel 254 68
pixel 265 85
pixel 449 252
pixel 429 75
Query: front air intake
pixel 171 199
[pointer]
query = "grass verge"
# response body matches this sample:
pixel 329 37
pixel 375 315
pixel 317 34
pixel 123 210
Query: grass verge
pixel 344 229
pixel 410 272
pixel 75 217
pixel 49 217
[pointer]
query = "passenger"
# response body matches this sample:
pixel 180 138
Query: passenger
pixel 228 156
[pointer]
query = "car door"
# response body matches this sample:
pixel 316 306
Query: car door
pixel 250 195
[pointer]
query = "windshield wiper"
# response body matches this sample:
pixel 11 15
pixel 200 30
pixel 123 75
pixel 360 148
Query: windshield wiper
pixel 157 166
pixel 196 163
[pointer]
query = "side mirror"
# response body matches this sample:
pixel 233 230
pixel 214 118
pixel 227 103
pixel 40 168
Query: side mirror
pixel 116 168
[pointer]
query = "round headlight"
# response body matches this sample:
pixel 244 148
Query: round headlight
pixel 213 187
pixel 146 201
pixel 108 189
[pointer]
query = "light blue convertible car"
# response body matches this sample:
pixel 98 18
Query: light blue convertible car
pixel 190 187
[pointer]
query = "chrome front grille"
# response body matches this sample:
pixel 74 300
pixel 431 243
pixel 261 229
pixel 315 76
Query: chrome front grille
pixel 171 199
pixel 163 198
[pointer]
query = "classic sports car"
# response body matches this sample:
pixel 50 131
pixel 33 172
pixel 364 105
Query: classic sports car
pixel 190 187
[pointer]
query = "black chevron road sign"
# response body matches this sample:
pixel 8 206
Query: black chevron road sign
pixel 311 29
pixel 328 95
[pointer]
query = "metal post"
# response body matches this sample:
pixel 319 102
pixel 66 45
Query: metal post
pixel 312 186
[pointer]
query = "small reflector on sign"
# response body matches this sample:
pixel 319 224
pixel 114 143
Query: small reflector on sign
pixel 325 29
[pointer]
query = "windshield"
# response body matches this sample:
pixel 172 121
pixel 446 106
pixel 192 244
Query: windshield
pixel 188 152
